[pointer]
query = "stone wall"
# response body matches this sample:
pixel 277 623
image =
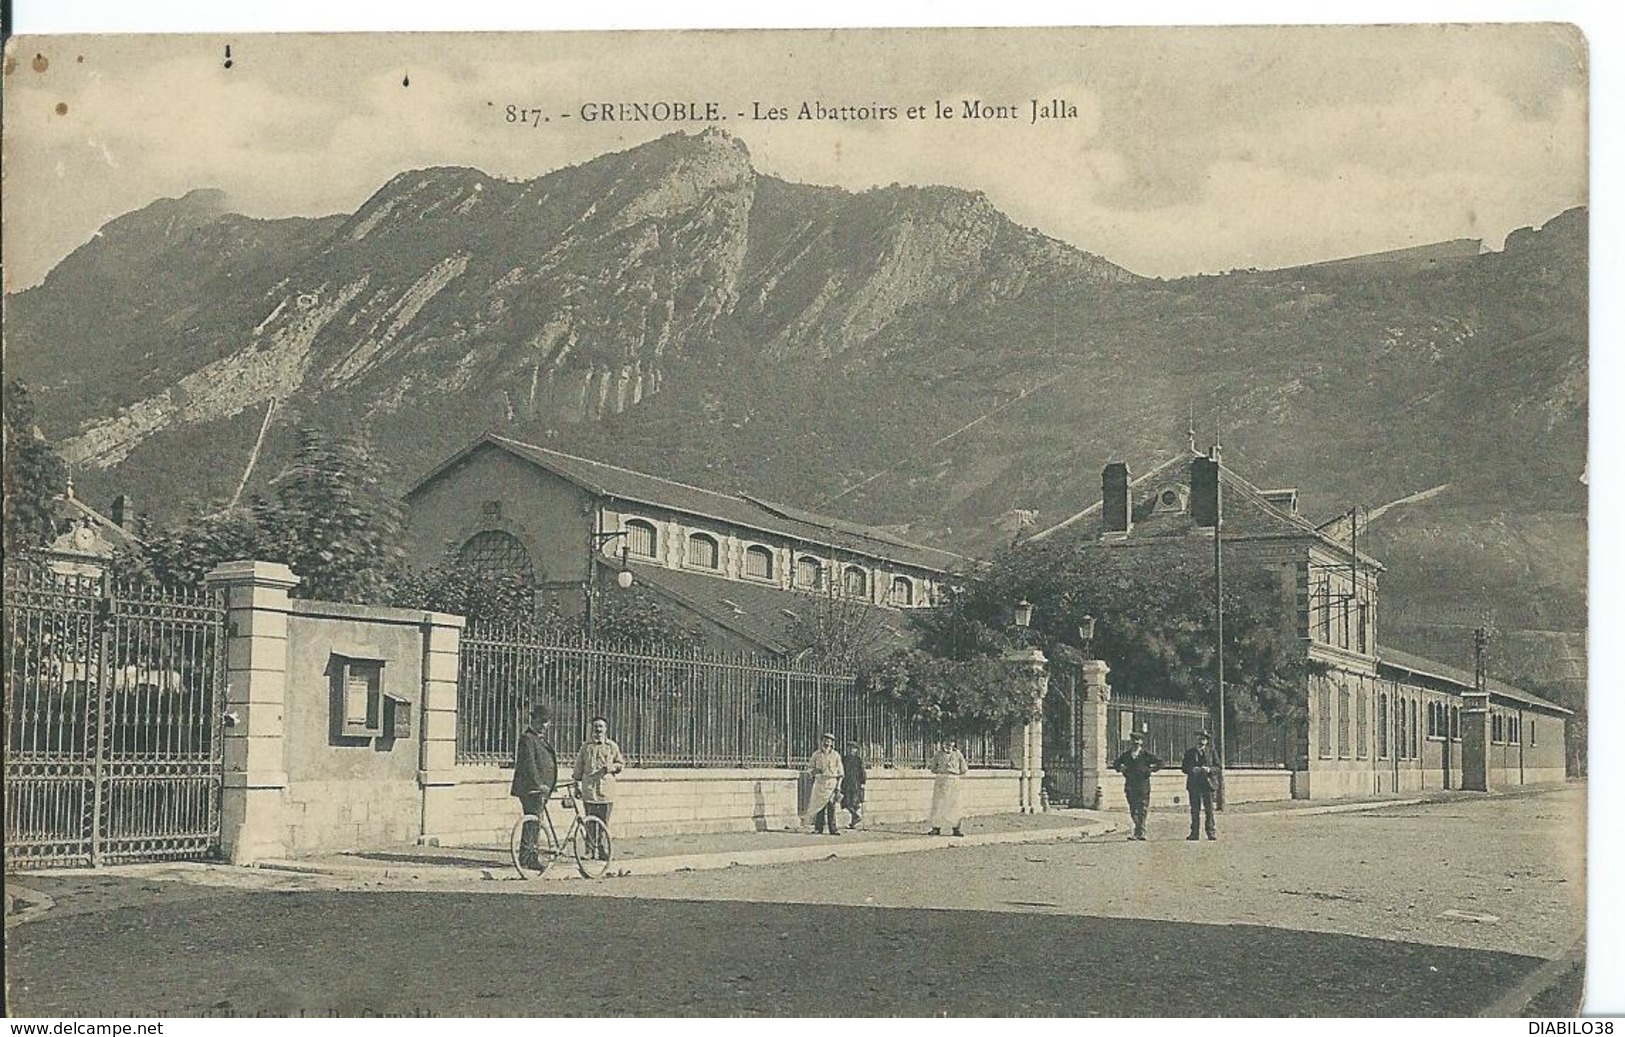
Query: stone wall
pixel 478 811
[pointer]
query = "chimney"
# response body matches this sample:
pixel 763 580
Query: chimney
pixel 1115 513
pixel 1205 491
pixel 124 512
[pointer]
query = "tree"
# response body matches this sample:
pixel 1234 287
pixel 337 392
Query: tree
pixel 636 617
pixel 952 696
pixel 34 473
pixel 328 518
pixel 837 633
pixel 332 522
pixel 482 596
pixel 1154 621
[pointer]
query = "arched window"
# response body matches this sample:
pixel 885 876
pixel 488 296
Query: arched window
pixel 855 582
pixel 902 591
pixel 1455 721
pixel 759 562
pixel 703 552
pixel 496 553
pixel 641 538
pixel 809 573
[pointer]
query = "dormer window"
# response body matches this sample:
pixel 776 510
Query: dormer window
pixel 703 552
pixel 758 562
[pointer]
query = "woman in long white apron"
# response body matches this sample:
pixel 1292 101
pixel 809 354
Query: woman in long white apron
pixel 949 766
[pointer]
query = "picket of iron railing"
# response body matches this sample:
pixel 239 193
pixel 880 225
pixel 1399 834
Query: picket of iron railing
pixel 673 707
pixel 112 696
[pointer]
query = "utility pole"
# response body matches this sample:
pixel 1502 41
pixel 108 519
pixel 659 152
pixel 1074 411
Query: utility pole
pixel 1218 601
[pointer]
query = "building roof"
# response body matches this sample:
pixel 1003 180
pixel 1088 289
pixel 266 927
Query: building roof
pixel 1393 658
pixel 69 510
pixel 762 614
pixel 1249 512
pixel 613 481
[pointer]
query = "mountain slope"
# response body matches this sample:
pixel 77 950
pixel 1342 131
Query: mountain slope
pixel 908 349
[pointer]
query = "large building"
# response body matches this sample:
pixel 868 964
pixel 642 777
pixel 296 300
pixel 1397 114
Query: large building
pixel 745 570
pixel 1378 719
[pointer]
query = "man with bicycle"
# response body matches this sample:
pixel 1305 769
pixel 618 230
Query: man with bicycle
pixel 535 773
pixel 597 764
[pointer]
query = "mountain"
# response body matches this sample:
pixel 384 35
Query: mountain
pixel 905 355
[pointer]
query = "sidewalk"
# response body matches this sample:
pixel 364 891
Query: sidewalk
pixel 664 854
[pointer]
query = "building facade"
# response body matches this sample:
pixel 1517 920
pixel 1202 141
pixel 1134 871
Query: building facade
pixel 743 569
pixel 1378 720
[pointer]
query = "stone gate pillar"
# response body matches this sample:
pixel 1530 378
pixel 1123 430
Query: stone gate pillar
pixel 256 779
pixel 1033 666
pixel 1095 742
pixel 1475 741
pixel 437 771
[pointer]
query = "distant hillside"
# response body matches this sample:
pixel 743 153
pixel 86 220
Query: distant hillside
pixel 670 309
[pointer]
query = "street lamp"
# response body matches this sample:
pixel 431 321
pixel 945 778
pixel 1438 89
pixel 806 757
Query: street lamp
pixel 623 577
pixel 1086 634
pixel 1024 613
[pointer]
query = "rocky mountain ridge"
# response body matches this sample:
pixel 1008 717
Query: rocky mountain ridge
pixel 905 355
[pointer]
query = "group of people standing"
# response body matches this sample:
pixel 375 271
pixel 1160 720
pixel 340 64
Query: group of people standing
pixel 1202 775
pixel 536 773
pixel 839 779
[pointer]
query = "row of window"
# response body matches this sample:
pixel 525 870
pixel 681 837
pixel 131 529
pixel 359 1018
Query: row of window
pixel 705 552
pixel 1341 621
pixel 1398 732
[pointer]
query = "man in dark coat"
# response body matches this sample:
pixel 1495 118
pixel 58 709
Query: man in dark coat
pixel 535 773
pixel 1201 767
pixel 853 779
pixel 1136 766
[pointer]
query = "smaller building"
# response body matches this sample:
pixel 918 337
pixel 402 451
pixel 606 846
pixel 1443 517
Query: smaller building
pixel 86 540
pixel 1378 720
pixel 745 570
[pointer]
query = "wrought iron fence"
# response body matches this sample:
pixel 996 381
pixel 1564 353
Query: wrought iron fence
pixel 112 708
pixel 1170 727
pixel 678 709
pixel 1261 744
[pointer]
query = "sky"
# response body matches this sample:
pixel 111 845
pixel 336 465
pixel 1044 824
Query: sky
pixel 1192 150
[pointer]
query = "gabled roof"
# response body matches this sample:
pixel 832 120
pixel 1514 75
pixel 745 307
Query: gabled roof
pixel 624 484
pixel 68 508
pixel 1394 659
pixel 1249 512
pixel 759 613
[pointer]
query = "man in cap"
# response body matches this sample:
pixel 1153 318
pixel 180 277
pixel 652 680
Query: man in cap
pixel 1136 765
pixel 535 773
pixel 826 771
pixel 1201 767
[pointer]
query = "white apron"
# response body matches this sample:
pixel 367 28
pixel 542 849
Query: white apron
pixel 945 798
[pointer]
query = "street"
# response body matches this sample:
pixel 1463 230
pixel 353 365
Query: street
pixel 1432 909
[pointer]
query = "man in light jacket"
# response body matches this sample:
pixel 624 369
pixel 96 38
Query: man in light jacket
pixel 597 764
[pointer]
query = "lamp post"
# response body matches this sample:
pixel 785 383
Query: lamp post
pixel 623 578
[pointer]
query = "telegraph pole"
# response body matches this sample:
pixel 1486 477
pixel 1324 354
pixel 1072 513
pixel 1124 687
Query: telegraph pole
pixel 1218 602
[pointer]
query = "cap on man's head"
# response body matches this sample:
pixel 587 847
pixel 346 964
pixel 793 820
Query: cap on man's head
pixel 1138 736
pixel 828 737
pixel 541 712
pixel 1203 736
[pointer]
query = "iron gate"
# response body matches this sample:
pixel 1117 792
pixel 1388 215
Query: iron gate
pixel 113 699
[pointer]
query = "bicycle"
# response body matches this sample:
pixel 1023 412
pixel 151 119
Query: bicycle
pixel 585 831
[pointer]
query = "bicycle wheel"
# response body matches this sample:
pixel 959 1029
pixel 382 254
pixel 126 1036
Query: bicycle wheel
pixel 530 864
pixel 591 832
